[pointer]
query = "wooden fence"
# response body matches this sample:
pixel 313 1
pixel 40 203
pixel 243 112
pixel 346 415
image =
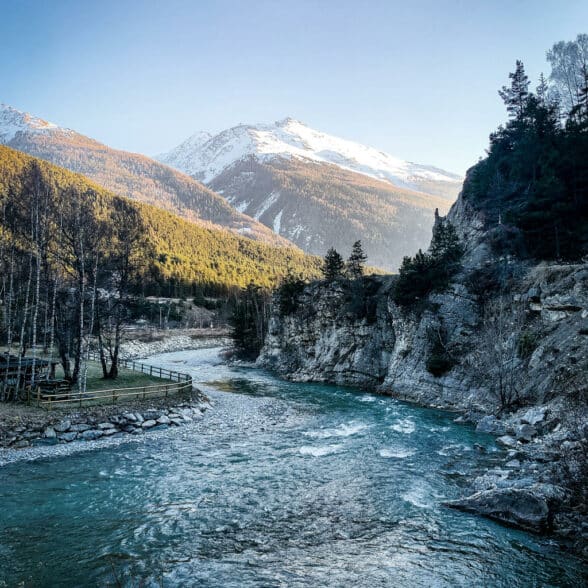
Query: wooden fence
pixel 178 383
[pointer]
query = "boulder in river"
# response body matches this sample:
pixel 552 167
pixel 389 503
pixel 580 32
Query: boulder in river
pixel 519 507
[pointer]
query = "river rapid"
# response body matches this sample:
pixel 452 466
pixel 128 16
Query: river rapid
pixel 279 484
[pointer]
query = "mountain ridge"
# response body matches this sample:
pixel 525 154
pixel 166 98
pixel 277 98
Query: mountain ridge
pixel 205 156
pixel 129 174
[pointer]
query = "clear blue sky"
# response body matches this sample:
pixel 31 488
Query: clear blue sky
pixel 416 78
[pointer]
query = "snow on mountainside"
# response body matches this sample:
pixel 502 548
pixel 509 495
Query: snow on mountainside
pixel 13 121
pixel 205 158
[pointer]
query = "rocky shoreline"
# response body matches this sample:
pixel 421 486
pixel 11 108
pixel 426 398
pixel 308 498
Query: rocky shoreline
pixel 526 489
pixel 36 428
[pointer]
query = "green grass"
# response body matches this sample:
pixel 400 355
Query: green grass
pixel 126 378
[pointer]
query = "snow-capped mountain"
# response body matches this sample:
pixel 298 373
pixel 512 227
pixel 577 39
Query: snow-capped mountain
pixel 320 191
pixel 14 121
pixel 205 157
pixel 128 174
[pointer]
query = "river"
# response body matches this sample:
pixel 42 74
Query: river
pixel 280 484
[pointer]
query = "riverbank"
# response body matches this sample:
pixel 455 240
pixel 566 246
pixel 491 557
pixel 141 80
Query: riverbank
pixel 145 344
pixel 23 426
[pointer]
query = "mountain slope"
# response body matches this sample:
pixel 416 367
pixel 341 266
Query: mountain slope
pixel 178 253
pixel 127 174
pixel 205 157
pixel 318 206
pixel 319 191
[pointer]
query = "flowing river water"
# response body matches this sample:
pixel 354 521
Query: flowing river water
pixel 279 484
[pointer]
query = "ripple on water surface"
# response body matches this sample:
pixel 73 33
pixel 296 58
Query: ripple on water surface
pixel 280 484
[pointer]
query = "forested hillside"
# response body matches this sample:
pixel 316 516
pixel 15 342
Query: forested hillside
pixel 532 188
pixel 174 255
pixel 127 174
pixel 319 205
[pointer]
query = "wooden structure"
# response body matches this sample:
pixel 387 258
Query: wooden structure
pixel 18 373
pixel 56 393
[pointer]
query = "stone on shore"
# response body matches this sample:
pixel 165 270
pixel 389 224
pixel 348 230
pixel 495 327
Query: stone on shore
pixel 92 434
pixel 62 426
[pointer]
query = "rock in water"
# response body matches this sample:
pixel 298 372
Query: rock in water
pixel 490 424
pixel 521 508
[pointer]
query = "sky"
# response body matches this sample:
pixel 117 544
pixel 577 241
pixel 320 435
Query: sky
pixel 417 79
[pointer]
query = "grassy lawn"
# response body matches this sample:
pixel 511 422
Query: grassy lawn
pixel 126 378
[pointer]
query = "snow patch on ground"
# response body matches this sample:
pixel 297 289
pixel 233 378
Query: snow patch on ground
pixel 267 203
pixel 278 222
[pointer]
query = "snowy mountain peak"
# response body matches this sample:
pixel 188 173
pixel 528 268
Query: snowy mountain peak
pixel 290 138
pixel 13 121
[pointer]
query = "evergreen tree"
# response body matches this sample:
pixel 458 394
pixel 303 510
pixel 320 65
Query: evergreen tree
pixel 542 91
pixel 249 321
pixel 356 261
pixel 333 265
pixel 516 96
pixel 288 293
pixel 445 245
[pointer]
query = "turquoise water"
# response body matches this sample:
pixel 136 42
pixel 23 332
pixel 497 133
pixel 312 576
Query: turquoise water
pixel 279 484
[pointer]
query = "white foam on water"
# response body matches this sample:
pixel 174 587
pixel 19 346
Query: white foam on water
pixel 452 449
pixel 343 430
pixel 418 496
pixel 319 451
pixel 405 426
pixel 399 453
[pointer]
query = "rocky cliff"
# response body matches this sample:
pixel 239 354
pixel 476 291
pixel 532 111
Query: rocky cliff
pixel 506 343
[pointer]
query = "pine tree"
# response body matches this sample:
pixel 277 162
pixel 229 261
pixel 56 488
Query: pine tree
pixel 445 244
pixel 542 91
pixel 515 97
pixel 333 265
pixel 580 111
pixel 356 261
pixel 288 293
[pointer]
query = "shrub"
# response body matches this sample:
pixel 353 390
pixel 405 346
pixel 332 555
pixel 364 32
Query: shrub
pixel 527 343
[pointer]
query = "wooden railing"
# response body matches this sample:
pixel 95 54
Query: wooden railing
pixel 179 383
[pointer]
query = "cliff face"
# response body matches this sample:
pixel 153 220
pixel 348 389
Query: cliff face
pixel 542 321
pixel 324 341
